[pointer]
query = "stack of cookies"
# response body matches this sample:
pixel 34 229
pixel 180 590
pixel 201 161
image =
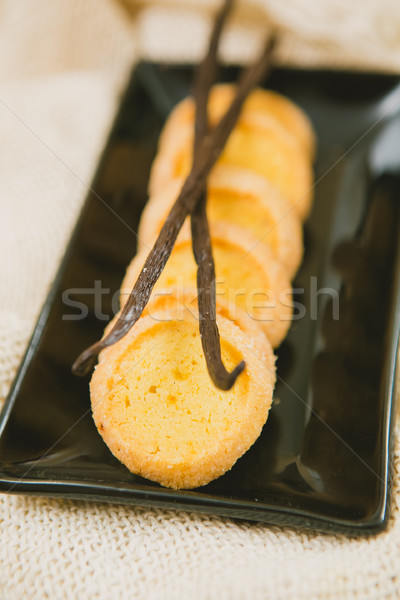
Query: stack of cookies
pixel 152 398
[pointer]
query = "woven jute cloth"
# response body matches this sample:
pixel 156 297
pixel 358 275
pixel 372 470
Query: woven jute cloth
pixel 62 67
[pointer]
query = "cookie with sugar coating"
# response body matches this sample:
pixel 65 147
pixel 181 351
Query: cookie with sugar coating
pixel 240 197
pixel 159 413
pixel 260 108
pixel 182 305
pixel 270 152
pixel 247 276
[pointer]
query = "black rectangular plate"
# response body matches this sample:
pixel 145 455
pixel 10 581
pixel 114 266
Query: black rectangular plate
pixel 323 458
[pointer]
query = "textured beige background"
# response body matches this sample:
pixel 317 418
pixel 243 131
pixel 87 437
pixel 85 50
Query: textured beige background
pixel 62 64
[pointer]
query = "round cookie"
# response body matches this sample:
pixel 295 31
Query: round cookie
pixel 182 305
pixel 156 408
pixel 270 152
pixel 247 276
pixel 242 198
pixel 259 109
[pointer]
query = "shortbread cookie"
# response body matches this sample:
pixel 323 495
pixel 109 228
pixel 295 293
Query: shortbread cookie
pixel 182 305
pixel 259 109
pixel 160 414
pixel 240 197
pixel 247 275
pixel 270 152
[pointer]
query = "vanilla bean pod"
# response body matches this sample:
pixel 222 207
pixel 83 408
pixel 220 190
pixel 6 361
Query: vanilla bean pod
pixel 209 151
pixel 201 241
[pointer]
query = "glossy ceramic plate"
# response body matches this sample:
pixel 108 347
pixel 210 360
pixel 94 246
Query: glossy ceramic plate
pixel 323 458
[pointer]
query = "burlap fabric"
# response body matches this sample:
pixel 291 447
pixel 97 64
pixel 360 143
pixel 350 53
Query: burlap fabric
pixel 62 65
